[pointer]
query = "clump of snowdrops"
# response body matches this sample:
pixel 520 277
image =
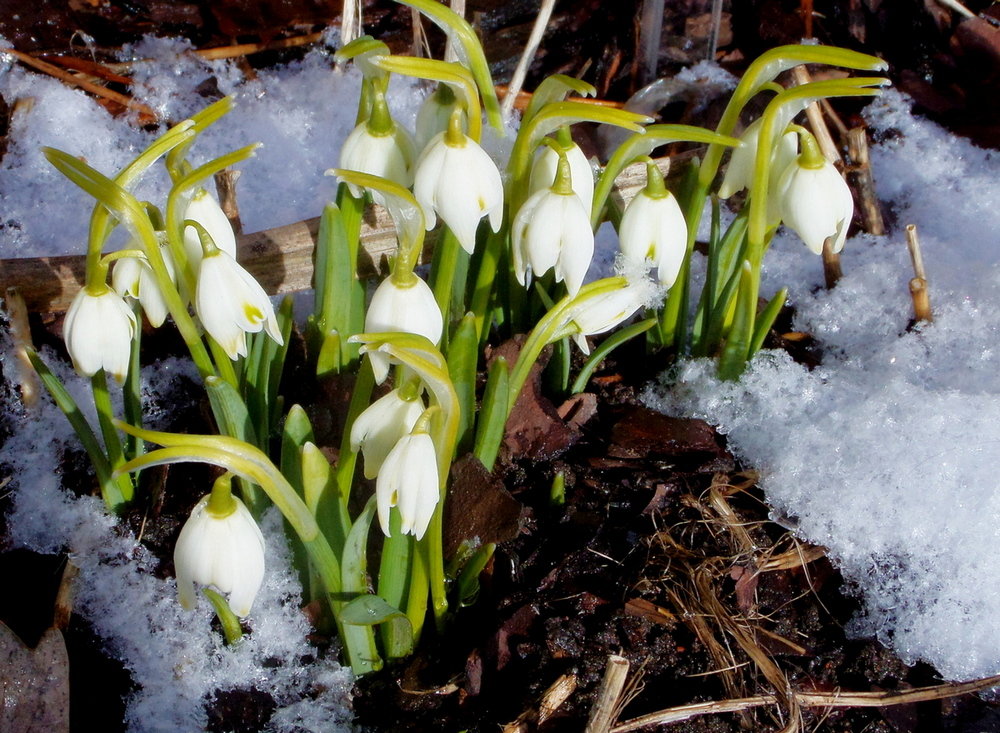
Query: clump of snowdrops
pixel 511 255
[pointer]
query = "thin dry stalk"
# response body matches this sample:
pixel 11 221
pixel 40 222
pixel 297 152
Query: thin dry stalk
pixel 832 271
pixel 20 334
pixel 557 693
pixel 225 185
pixel 146 114
pixel 810 700
pixel 606 706
pixel 534 41
pixel 350 21
pixel 713 35
pixel 650 33
pixel 816 122
pixel 918 285
pixel 450 54
pixel 860 174
pixel 248 49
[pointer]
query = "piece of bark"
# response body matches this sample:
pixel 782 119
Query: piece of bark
pixel 478 506
pixel 280 259
pixel 642 432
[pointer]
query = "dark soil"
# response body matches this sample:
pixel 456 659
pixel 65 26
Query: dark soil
pixel 661 550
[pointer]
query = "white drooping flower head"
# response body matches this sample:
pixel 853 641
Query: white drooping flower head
pixel 653 228
pixel 98 331
pixel 231 304
pixel 134 277
pixel 605 310
pixel 457 181
pixel 552 231
pixel 409 307
pixel 376 430
pixel 408 479
pixel 546 164
pixel 222 547
pixel 739 173
pixel 814 200
pixel 379 147
pixel 204 209
pixel 434 114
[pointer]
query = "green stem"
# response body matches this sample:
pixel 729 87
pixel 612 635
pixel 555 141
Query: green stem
pixel 112 441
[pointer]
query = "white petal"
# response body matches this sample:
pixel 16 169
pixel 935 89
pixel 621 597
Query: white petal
pixel 411 309
pixel 98 333
pixel 379 427
pixel 226 552
pixel 230 303
pixel 815 206
pixel 205 210
pixel 543 173
pixel 577 249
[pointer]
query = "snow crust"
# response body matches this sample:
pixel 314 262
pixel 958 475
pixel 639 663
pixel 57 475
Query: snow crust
pixel 886 454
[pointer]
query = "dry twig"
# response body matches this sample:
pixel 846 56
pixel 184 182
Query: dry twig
pixel 918 285
pixel 606 706
pixel 810 700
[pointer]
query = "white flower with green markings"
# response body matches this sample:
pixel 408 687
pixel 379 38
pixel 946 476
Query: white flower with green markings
pixel 377 430
pixel 409 307
pixel 231 304
pixel 814 200
pixel 457 181
pixel 408 479
pixel 98 332
pixel 222 546
pixel 552 231
pixel 653 228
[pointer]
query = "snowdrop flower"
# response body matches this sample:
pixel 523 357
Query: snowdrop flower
pixel 379 147
pixel 134 277
pixel 605 310
pixel 382 424
pixel 220 545
pixel 739 173
pixel 205 210
pixel 653 227
pixel 98 332
pixel 544 168
pixel 457 181
pixel 552 230
pixel 408 479
pixel 409 307
pixel 435 112
pixel 230 304
pixel 814 200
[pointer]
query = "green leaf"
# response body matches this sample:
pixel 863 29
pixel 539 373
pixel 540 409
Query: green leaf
pixel 493 416
pixel 736 351
pixel 354 560
pixel 295 433
pixel 368 610
pixel 110 488
pixel 468 581
pixel 766 319
pixel 463 358
pixel 556 88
